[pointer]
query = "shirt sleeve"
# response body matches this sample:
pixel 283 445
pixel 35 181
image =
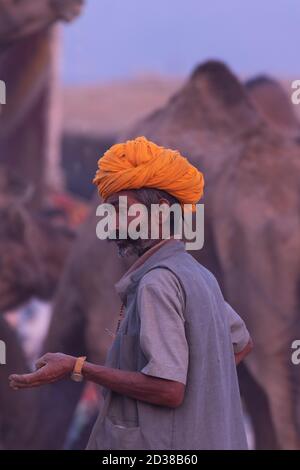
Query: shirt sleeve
pixel 162 334
pixel 239 333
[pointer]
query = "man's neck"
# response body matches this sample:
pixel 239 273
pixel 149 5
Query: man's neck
pixel 149 244
pixel 148 252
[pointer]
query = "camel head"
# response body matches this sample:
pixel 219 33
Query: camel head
pixel 274 104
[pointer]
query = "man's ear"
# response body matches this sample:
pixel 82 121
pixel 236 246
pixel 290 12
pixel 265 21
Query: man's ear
pixel 164 201
pixel 12 222
pixel 164 217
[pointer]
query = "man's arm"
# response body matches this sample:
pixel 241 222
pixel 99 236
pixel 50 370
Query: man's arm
pixel 162 340
pixel 55 366
pixel 137 385
pixel 241 340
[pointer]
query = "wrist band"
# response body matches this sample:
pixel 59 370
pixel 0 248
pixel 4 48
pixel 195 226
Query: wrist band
pixel 77 371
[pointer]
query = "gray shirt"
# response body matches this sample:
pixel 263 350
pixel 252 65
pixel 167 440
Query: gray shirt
pixel 161 305
pixel 177 326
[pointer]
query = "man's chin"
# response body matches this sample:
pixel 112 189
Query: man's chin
pixel 134 248
pixel 126 249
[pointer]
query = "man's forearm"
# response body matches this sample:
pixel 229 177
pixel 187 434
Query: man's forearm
pixel 133 384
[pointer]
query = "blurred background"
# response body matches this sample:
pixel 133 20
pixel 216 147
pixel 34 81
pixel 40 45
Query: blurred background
pixel 210 78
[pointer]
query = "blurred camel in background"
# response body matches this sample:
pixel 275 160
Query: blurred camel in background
pixel 273 102
pixel 30 127
pixel 29 143
pixel 26 17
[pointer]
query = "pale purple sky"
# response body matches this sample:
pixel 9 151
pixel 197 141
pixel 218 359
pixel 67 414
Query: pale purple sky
pixel 116 39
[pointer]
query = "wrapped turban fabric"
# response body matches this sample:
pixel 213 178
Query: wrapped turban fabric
pixel 140 163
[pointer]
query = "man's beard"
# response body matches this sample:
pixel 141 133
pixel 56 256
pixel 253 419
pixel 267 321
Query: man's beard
pixel 129 247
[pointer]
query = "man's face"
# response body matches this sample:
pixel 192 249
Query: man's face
pixel 127 246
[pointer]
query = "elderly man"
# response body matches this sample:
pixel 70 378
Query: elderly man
pixel 170 379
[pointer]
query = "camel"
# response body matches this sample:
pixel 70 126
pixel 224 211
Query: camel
pixel 258 245
pixel 26 17
pixel 213 121
pixel 30 128
pixel 28 43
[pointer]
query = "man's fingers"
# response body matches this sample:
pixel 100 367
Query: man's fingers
pixel 40 363
pixel 20 378
pixel 13 385
pixel 27 380
pixel 50 368
pixel 20 385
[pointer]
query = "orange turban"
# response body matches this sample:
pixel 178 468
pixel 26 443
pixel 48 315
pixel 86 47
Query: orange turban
pixel 140 163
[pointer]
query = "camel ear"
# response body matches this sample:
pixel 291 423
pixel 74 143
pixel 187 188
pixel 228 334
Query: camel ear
pixel 12 222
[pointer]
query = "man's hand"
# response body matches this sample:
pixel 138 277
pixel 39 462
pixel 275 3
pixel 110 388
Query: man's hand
pixel 50 368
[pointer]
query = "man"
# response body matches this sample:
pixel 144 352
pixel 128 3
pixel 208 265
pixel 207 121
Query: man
pixel 170 379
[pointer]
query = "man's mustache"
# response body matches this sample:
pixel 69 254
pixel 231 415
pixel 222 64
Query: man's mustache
pixel 116 237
